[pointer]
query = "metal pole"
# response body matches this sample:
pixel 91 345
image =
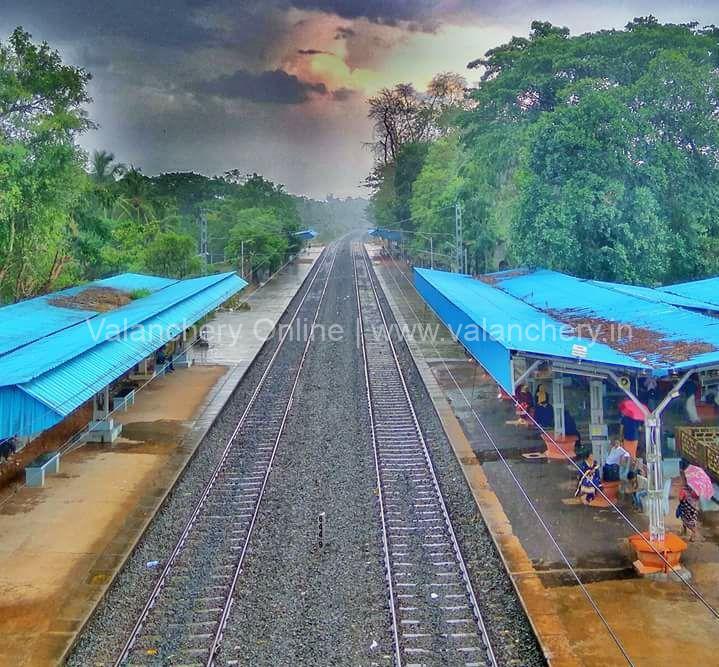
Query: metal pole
pixel 458 235
pixel 431 252
pixel 655 481
pixel 558 405
pixel 653 453
pixel 203 235
pixel 242 255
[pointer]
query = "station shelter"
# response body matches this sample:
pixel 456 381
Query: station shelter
pixel 526 323
pixel 391 239
pixel 306 235
pixel 62 350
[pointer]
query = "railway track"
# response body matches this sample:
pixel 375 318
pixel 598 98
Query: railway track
pixel 184 618
pixel 435 616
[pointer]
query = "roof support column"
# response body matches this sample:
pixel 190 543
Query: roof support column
pixel 558 404
pixel 597 428
pixel 101 405
pixel 652 443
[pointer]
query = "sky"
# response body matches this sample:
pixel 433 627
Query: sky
pixel 279 87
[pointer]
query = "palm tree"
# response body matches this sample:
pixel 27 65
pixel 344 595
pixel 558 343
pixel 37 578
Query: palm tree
pixel 104 169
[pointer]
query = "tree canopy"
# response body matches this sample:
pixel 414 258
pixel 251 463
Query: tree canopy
pixel 594 154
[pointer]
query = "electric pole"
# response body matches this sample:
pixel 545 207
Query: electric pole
pixel 203 237
pixel 458 236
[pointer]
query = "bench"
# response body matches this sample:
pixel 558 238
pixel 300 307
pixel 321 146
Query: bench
pixel 36 469
pixel 123 400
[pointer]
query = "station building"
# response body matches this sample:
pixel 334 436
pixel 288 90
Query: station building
pixel 94 345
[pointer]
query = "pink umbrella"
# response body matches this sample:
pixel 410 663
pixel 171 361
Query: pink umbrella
pixel 699 481
pixel 630 409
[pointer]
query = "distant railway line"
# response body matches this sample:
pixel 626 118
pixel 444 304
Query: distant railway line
pixel 434 612
pixel 244 576
pixel 183 620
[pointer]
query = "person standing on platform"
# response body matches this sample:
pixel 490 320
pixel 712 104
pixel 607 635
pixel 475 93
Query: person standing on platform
pixel 629 434
pixel 689 390
pixel 543 411
pixel 688 508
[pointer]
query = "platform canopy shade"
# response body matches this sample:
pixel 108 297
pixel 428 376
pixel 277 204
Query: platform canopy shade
pixel 387 234
pixel 706 290
pixel 306 234
pixel 46 379
pixel 492 325
pixel 582 326
pixel 32 319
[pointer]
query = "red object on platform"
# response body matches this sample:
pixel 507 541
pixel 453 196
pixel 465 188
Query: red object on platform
pixel 630 409
pixel 699 481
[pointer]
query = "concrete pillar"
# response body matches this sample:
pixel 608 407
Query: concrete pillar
pixel 652 441
pixel 597 427
pixel 102 428
pixel 558 405
pixel 101 405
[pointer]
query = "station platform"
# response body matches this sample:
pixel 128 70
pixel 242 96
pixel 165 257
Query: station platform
pixel 658 622
pixel 61 545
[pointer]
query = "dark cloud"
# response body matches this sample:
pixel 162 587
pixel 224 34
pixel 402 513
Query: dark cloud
pixel 343 94
pixel 271 86
pixel 310 52
pixel 418 12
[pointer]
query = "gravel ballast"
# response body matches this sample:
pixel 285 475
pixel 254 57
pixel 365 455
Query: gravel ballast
pixel 104 635
pixel 509 630
pixel 313 588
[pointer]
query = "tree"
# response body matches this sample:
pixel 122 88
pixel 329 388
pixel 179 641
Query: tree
pixel 257 235
pixel 39 95
pixel 41 113
pixel 172 254
pixel 600 151
pixel 402 116
pixel 104 169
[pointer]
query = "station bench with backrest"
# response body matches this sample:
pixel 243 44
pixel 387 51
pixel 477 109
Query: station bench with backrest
pixel 37 468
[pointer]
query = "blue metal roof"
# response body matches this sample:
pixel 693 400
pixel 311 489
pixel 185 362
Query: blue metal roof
pixel 658 294
pixel 553 315
pixel 382 233
pixel 306 234
pixel 706 290
pixel 514 322
pixel 664 336
pixel 30 320
pixel 44 382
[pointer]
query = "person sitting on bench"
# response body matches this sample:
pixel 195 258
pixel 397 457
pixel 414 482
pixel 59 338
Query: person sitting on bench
pixel 8 447
pixel 617 457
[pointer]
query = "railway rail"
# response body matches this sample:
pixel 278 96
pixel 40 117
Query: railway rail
pixel 434 612
pixel 184 618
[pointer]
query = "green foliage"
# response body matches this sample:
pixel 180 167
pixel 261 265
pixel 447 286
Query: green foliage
pixel 65 218
pixel 172 254
pixel 617 176
pixel 595 154
pixel 40 165
pixel 257 235
pixel 139 294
